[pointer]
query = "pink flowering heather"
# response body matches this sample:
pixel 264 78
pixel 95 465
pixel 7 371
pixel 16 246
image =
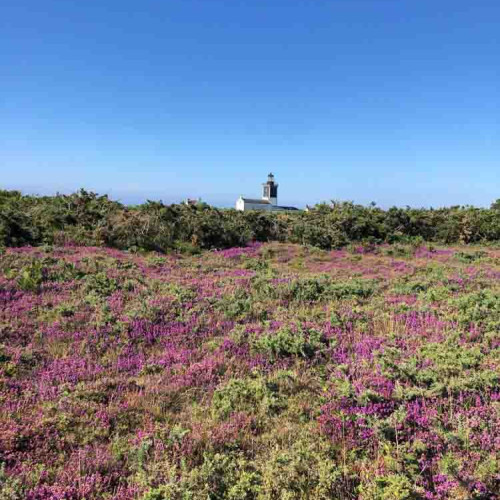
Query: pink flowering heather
pixel 258 372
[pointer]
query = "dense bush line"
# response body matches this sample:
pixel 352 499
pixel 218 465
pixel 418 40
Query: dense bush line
pixel 85 218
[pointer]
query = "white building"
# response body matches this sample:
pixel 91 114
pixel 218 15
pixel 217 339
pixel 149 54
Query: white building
pixel 269 200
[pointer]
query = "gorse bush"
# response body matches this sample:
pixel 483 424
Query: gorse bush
pixel 324 288
pixel 99 284
pixel 480 308
pixel 289 342
pixel 246 395
pixel 31 277
pixel 85 218
pixel 470 256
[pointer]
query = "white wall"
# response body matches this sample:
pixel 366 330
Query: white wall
pixel 241 205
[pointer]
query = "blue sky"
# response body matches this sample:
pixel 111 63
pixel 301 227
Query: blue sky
pixel 386 100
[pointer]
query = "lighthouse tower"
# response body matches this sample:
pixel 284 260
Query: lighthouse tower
pixel 270 190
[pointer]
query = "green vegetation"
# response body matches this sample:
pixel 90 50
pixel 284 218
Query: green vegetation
pixel 87 219
pixel 141 359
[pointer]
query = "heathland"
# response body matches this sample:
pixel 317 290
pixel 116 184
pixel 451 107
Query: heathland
pixel 266 371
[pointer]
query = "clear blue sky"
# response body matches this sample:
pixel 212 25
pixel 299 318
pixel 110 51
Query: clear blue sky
pixel 396 101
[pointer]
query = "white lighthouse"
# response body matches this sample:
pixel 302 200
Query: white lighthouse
pixel 268 202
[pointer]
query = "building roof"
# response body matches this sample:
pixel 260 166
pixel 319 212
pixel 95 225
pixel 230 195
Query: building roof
pixel 286 208
pixel 255 201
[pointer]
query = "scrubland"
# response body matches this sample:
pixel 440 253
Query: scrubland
pixel 273 371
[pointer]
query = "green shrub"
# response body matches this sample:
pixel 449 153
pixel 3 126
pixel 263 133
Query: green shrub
pixel 302 468
pixel 410 287
pixel 30 278
pixel 100 285
pixel 254 395
pixel 389 487
pixel 480 308
pixel 323 288
pixel 236 305
pixel 288 342
pixel 220 476
pixel 452 369
pixel 85 218
pixel 470 257
pixel 186 248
